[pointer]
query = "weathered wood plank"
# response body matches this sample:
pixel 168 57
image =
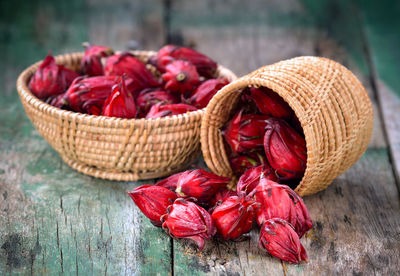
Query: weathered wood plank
pixel 351 215
pixel 54 220
pixel 381 25
pixel 124 24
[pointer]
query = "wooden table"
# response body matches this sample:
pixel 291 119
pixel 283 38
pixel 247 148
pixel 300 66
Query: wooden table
pixel 54 220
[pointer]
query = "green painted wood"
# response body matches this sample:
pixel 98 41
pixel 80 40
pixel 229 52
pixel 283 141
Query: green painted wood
pixel 381 25
pixel 54 220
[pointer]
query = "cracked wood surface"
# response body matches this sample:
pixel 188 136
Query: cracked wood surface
pixel 54 220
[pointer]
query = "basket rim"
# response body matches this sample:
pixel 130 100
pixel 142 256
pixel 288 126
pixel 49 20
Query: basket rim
pixel 26 95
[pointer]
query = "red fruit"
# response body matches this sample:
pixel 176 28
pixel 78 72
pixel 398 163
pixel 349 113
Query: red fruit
pixel 279 201
pixel 91 62
pixel 250 179
pixel 200 184
pixel 234 216
pixel 185 219
pixel 151 96
pixel 285 149
pixel 160 110
pixel 245 132
pixel 242 163
pixel 220 197
pixel 181 77
pixel 170 182
pixel 203 94
pixel 153 201
pixel 57 100
pixel 281 241
pixel 204 65
pixel 51 79
pixel 138 77
pixel 270 103
pixel 87 95
pixel 120 103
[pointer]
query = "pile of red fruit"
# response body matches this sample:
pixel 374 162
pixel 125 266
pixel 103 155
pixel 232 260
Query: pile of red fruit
pixel 265 131
pixel 120 85
pixel 197 205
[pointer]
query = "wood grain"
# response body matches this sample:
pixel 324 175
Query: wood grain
pixel 53 219
pixel 385 66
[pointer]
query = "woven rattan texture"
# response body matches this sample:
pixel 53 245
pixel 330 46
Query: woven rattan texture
pixel 114 148
pixel 331 104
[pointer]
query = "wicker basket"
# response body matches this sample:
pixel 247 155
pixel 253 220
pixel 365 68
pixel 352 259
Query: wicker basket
pixel 330 102
pixel 114 148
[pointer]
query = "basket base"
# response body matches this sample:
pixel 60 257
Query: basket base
pixel 125 176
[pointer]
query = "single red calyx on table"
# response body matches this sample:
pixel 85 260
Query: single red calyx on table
pixel 204 65
pixel 234 216
pixel 138 76
pixel 251 178
pixel 200 185
pixel 280 240
pixel 185 219
pixel 205 91
pixel 270 103
pixel 245 132
pixel 163 110
pixel 148 97
pixel 279 201
pixel 87 95
pixel 120 102
pixel 181 77
pixel 285 149
pixel 153 201
pixel 51 79
pixel 91 63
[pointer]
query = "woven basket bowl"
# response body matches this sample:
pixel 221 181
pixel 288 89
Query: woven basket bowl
pixel 330 102
pixel 114 148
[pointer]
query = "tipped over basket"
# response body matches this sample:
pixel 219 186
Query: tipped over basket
pixel 114 148
pixel 331 104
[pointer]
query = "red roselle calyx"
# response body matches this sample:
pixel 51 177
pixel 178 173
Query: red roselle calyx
pixel 170 182
pixel 120 103
pixel 281 241
pixel 57 100
pixel 87 95
pixel 220 197
pixel 251 178
pixel 153 201
pixel 285 149
pixel 234 216
pixel 185 219
pixel 138 76
pixel 270 103
pixel 51 79
pixel 91 62
pixel 242 163
pixel 200 184
pixel 279 201
pixel 151 96
pixel 204 65
pixel 180 77
pixel 245 132
pixel 160 110
pixel 205 91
